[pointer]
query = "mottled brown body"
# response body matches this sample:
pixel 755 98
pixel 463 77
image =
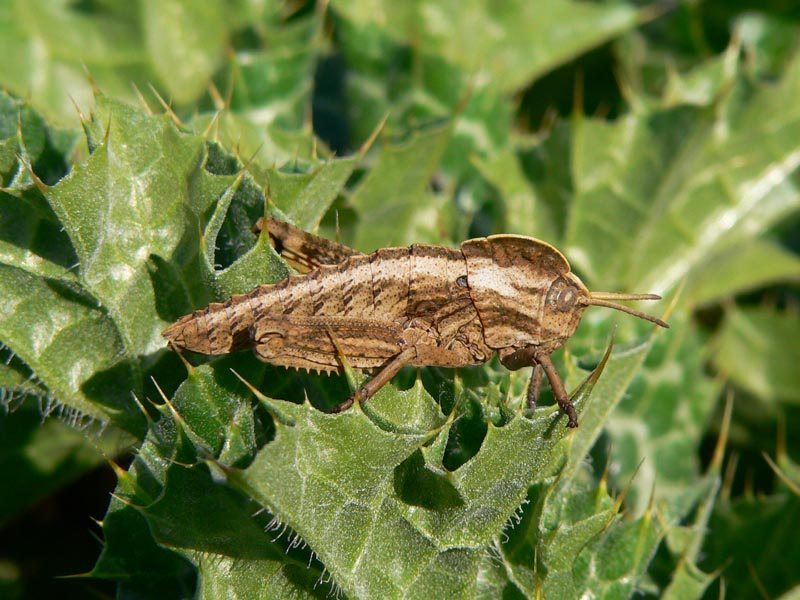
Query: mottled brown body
pixel 420 305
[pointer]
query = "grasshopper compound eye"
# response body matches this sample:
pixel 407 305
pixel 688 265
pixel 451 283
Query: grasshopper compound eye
pixel 566 298
pixel 562 295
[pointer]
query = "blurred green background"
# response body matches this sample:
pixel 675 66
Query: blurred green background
pixel 656 144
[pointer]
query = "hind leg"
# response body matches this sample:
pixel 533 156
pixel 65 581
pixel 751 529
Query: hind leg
pixel 383 377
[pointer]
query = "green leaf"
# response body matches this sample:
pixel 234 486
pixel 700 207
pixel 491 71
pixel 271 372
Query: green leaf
pixel 70 344
pixel 739 269
pixel 768 39
pixel 526 211
pixel 759 349
pixel 41 455
pixel 168 499
pixel 22 130
pixel 18 383
pixel 222 577
pixel 390 200
pixel 212 418
pixel 404 62
pixel 269 145
pixel 622 368
pixel 766 523
pixel 614 563
pixel 267 80
pixel 512 45
pixel 52 42
pixel 185 42
pixel 131 200
pixel 792 594
pixel 178 518
pixel 662 418
pixel 336 479
pixel 363 497
pixel 713 189
pixel 131 555
pixel 703 85
pixel 568 517
pixel 31 239
pixel 305 197
pixel 259 265
pixel 688 580
pixel 214 407
pixel 270 83
pixel 419 96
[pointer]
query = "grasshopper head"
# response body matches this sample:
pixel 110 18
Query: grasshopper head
pixel 564 303
pixel 526 295
pixel 566 300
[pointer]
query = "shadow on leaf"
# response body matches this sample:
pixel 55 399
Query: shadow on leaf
pixel 417 485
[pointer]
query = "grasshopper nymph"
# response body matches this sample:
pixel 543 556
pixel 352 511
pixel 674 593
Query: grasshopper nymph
pixel 420 305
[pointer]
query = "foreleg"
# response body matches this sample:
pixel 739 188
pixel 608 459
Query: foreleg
pixel 534 386
pixel 557 386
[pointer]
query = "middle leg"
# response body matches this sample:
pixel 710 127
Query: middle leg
pixel 383 377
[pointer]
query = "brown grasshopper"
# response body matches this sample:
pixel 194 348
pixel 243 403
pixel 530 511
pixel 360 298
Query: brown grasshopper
pixel 421 305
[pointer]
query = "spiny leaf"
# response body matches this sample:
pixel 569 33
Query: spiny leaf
pixel 306 196
pixel 259 265
pixel 210 406
pixel 688 580
pixel 613 564
pixel 497 51
pixel 223 577
pixel 130 200
pixel 179 518
pixel 712 177
pixel 30 235
pixel 44 322
pixel 358 494
pixel 31 239
pixel 661 418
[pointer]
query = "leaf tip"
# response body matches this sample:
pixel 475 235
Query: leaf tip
pixel 142 100
pixel 90 80
pixel 216 98
pixel 373 136
pixel 190 370
pixel 167 107
pixel 121 474
pixel 212 127
pixel 722 440
pixel 274 407
pixel 40 185
pixel 81 116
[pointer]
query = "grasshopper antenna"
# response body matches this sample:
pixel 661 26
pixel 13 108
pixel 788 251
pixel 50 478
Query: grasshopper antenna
pixel 604 299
